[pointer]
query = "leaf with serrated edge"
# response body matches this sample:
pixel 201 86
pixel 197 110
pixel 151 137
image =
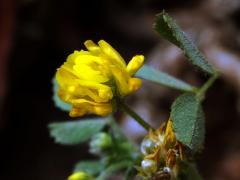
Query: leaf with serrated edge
pixel 188 121
pixel 166 27
pixel 78 131
pixel 151 74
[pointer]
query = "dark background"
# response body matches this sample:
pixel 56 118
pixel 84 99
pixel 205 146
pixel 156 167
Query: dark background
pixel 37 35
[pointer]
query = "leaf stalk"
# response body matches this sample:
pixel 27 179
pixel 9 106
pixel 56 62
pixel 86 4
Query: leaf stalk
pixel 202 91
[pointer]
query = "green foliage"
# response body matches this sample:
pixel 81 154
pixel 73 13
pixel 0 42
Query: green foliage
pixel 57 101
pixel 90 167
pixel 189 172
pixel 100 142
pixel 120 154
pixel 202 91
pixel 114 167
pixel 117 132
pixel 192 173
pixel 131 172
pixel 151 74
pixel 75 132
pixel 109 143
pixel 166 27
pixel 188 121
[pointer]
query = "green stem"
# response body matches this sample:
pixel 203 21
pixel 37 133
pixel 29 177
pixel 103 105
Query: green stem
pixel 202 91
pixel 135 116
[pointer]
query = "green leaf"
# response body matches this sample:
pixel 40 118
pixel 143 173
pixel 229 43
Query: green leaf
pixel 57 101
pixel 188 121
pixel 114 168
pixel 166 27
pixel 130 173
pixel 151 74
pixel 90 167
pixel 117 132
pixel 75 132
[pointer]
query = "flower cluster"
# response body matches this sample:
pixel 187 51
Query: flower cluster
pixel 161 154
pixel 89 80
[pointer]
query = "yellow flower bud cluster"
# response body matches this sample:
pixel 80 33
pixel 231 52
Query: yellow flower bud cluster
pixel 89 80
pixel 161 153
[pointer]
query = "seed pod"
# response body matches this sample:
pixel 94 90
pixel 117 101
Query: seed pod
pixel 147 146
pixel 149 166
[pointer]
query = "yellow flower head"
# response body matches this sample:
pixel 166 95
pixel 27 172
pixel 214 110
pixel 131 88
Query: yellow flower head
pixel 80 176
pixel 89 80
pixel 161 153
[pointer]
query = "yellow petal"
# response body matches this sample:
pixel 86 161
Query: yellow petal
pixel 76 112
pixel 86 72
pixel 134 84
pixel 73 88
pixel 135 64
pixel 95 63
pixel 71 58
pixel 121 80
pixel 64 77
pixel 78 102
pixel 92 47
pixel 103 110
pixel 169 137
pixel 112 53
pixel 103 91
pixel 83 106
pixel 88 59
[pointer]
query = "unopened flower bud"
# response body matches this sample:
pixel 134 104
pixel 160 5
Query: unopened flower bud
pixel 80 176
pixel 100 142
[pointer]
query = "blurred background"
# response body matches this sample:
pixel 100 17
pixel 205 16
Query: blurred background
pixel 36 36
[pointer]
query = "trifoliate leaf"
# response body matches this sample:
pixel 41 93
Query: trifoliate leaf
pixel 166 27
pixel 151 74
pixel 75 132
pixel 188 121
pixel 90 167
pixel 57 101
